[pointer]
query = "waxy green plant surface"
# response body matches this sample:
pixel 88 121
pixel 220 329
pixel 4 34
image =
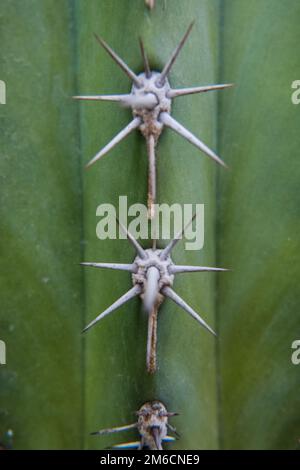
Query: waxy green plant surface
pixel 239 391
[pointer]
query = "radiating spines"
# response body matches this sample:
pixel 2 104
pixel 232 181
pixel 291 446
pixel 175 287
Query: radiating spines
pixel 152 424
pixel 150 102
pixel 147 99
pixel 153 274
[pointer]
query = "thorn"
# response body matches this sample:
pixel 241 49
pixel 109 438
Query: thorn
pixel 167 250
pixel 118 98
pixel 120 136
pixel 148 101
pixel 168 292
pixel 151 176
pixel 145 59
pixel 139 249
pixel 102 432
pixel 136 290
pixel 120 266
pixel 141 101
pixel 200 89
pixel 166 119
pixel 151 288
pixel 119 61
pixel 193 269
pixel 174 56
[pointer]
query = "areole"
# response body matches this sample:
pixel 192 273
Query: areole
pixel 150 101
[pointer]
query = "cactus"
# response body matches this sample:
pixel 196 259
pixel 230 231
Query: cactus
pixel 239 391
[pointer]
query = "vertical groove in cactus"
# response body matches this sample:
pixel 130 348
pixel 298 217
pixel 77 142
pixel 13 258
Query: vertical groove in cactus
pixel 259 225
pixel 41 285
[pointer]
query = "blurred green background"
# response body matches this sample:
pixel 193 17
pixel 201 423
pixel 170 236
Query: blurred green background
pixel 240 391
